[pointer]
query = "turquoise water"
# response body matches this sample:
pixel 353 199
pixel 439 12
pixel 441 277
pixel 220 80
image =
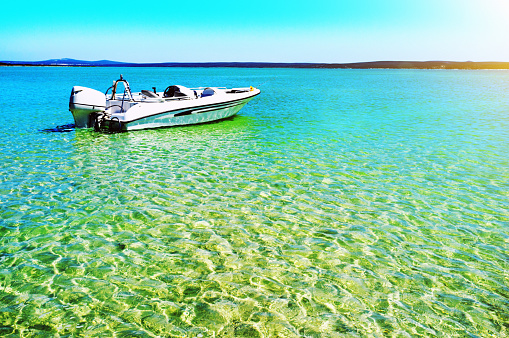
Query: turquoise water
pixel 339 203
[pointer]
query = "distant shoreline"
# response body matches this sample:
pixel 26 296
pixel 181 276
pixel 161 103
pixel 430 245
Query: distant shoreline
pixel 357 65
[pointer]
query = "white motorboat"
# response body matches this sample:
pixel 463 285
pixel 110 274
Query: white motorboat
pixel 176 106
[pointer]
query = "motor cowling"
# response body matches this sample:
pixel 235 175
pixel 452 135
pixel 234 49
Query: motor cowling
pixel 84 104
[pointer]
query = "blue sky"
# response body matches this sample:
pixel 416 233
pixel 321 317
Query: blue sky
pixel 261 30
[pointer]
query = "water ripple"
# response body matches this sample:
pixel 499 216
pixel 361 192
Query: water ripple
pixel 376 212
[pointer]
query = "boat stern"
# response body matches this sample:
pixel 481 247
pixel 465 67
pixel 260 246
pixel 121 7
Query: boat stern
pixel 84 104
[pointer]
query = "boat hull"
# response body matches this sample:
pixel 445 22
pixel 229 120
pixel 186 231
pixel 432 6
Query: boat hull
pixel 148 115
pixel 185 117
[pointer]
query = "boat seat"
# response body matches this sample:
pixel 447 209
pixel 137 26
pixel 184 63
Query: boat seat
pixel 207 92
pixel 150 94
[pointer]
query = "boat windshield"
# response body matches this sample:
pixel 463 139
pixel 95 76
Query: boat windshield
pixel 178 91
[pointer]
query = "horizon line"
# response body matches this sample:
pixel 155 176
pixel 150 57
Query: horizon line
pixel 436 64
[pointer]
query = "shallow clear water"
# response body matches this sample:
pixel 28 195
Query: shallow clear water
pixel 339 203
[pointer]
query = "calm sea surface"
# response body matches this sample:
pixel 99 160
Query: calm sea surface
pixel 339 203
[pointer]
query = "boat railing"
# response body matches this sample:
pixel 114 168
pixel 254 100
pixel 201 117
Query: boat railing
pixel 140 98
pixel 127 90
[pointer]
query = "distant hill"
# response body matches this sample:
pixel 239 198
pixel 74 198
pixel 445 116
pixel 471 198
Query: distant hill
pixel 357 65
pixel 64 62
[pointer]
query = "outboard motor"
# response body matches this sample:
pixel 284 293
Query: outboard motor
pixel 84 105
